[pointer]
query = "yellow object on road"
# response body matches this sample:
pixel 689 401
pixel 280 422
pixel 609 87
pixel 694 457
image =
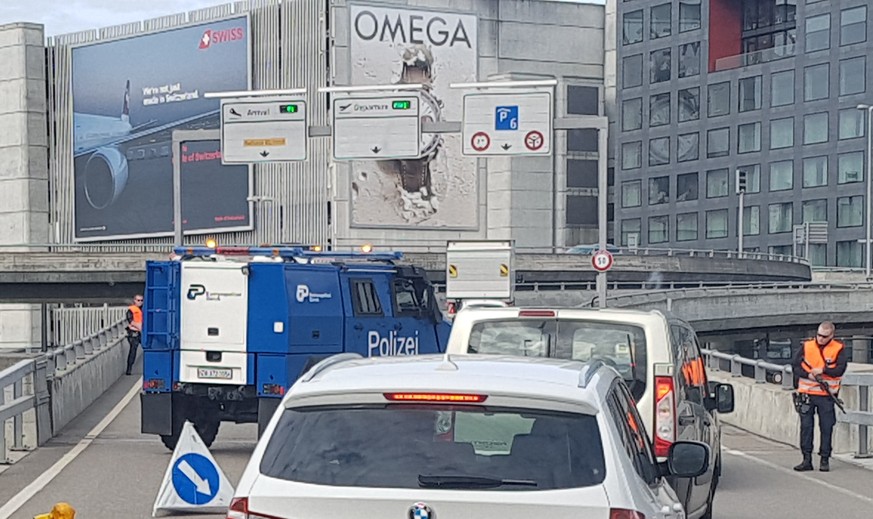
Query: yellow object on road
pixel 59 511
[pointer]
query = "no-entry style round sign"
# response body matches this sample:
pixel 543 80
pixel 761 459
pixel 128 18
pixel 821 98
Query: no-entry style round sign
pixel 602 260
pixel 534 140
pixel 480 141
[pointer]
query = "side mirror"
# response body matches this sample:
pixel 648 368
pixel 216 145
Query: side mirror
pixel 724 398
pixel 688 459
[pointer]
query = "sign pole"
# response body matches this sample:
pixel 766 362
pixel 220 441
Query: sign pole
pixel 177 190
pixel 602 188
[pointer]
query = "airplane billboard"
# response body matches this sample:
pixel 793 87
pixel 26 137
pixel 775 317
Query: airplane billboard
pixel 129 95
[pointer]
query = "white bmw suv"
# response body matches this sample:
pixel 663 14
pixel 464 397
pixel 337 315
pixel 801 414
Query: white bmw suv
pixel 455 437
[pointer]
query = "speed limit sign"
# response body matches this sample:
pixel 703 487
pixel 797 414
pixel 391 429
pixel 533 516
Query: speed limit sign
pixel 602 260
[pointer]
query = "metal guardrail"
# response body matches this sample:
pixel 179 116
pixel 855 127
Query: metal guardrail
pixel 767 372
pixel 410 247
pixel 14 410
pixel 79 351
pixel 736 289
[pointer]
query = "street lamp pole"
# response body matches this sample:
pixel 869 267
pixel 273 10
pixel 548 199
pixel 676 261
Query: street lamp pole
pixel 867 201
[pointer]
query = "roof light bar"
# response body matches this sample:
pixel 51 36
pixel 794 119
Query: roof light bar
pixel 536 313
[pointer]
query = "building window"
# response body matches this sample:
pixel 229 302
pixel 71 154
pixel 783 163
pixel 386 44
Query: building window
pixel 852 76
pixel 659 190
pixel 849 254
pixel 659 151
pixel 717 183
pixel 815 128
pixel 815 211
pixel 768 24
pixel 781 217
pixel 630 231
pixel 632 28
pixel 688 147
pixel 782 88
pixel 689 59
pixel 659 109
pixel 661 21
pixel 632 114
pixel 630 194
pixel 815 171
pixel 753 177
pixel 632 71
pixel 718 142
pixel 751 220
pixel 686 227
pixel 852 122
pixel 781 250
pixel 659 229
pixel 850 167
pixel 850 211
pixel 686 187
pixel 818 29
pixel 631 155
pixel 782 133
pixel 749 138
pixel 853 25
pixel 689 15
pixel 750 94
pixel 781 175
pixel 717 223
pixel 815 82
pixel 689 104
pixel 659 66
pixel 719 99
pixel 818 254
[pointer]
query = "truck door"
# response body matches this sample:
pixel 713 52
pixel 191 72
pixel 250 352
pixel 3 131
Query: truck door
pixel 366 312
pixel 213 322
pixel 413 323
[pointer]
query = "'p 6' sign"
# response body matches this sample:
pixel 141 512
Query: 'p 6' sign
pixel 506 118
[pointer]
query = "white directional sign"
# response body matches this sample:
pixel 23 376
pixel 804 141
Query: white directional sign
pixel 263 131
pixel 377 127
pixel 516 123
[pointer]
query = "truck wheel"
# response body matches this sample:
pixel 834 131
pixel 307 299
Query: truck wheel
pixel 170 440
pixel 208 430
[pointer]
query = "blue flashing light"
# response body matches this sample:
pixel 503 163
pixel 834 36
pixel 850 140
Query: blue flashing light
pixel 284 252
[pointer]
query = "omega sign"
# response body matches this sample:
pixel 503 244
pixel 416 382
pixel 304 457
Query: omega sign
pixel 416 27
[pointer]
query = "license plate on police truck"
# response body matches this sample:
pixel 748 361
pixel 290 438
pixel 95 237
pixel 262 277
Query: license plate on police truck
pixel 214 373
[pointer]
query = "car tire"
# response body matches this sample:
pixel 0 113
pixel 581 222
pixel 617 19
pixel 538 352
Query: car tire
pixel 711 498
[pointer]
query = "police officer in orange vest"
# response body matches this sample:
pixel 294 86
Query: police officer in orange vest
pixel 824 358
pixel 134 330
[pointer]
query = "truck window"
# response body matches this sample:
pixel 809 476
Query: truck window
pixel 409 299
pixel 365 299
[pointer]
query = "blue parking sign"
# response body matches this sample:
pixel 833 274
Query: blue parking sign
pixel 506 118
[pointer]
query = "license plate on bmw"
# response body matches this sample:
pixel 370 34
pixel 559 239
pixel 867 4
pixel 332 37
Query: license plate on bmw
pixel 215 373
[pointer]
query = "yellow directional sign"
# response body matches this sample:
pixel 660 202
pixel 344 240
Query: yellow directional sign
pixel 260 143
pixel 453 271
pixel 504 270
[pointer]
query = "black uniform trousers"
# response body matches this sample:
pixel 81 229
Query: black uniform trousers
pixel 827 418
pixel 133 339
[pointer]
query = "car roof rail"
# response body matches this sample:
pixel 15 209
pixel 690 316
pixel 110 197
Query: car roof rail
pixel 587 374
pixel 329 363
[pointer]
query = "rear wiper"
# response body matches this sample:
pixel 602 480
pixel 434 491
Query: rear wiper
pixel 470 482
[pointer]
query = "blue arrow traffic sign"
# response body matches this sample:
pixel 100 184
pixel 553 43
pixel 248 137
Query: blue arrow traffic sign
pixel 195 479
pixel 506 118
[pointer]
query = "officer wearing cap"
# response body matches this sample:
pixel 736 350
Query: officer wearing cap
pixel 818 361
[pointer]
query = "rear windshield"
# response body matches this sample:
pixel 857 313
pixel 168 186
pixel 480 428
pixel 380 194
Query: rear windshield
pixel 436 446
pixel 620 345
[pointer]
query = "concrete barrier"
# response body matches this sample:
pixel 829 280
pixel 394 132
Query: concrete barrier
pixel 73 390
pixel 768 411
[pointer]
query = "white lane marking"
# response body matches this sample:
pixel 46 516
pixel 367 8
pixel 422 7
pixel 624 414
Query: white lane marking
pixel 800 475
pixel 46 477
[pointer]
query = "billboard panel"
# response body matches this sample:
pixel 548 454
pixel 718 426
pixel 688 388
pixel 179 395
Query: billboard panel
pixel 391 46
pixel 128 97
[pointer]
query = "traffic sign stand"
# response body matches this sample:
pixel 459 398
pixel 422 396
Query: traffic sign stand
pixel 193 481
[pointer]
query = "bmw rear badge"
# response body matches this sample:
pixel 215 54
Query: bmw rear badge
pixel 421 511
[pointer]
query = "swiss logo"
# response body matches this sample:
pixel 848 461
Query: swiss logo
pixel 211 38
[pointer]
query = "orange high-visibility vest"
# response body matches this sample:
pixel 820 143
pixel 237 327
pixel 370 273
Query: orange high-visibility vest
pixel 815 357
pixel 137 318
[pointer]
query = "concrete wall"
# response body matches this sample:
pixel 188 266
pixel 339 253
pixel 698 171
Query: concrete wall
pixel 767 410
pixel 72 392
pixel 23 164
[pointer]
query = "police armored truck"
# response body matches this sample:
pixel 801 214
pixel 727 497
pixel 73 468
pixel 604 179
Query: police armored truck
pixel 227 331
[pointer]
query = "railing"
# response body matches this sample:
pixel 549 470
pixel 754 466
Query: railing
pixel 755 58
pixel 414 247
pixel 79 351
pixel 69 324
pixel 766 372
pixel 24 385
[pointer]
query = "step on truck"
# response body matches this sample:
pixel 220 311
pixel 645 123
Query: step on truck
pixel 227 331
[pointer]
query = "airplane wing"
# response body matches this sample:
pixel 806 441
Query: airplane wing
pixel 138 135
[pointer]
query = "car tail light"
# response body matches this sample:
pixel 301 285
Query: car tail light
pixel 435 397
pixel 621 513
pixel 452 308
pixel 239 509
pixel 536 313
pixel 274 389
pixel 153 383
pixel 665 415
